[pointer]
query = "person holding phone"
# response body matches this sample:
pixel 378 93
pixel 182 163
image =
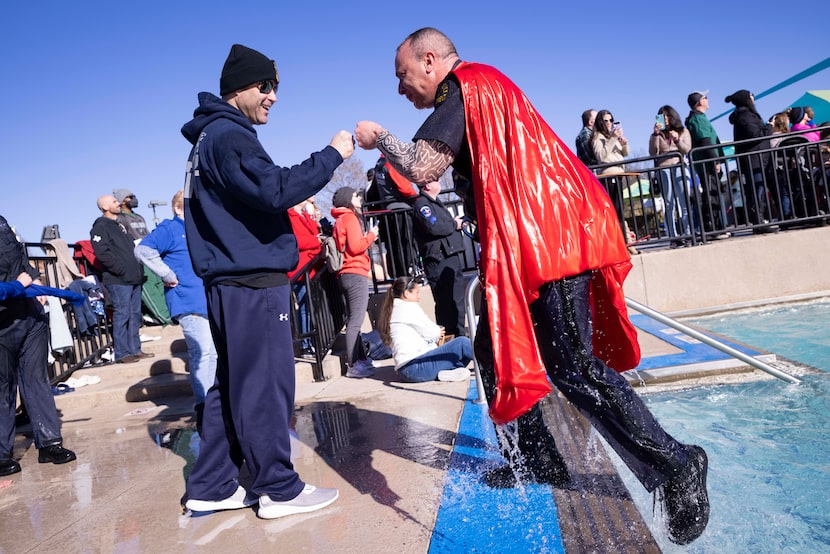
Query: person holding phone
pixel 610 145
pixel 671 141
pixel 609 142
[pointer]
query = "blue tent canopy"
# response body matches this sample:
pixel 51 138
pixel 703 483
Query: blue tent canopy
pixel 819 100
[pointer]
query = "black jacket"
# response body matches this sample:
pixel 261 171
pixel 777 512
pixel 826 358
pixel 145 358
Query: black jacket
pixel 435 229
pixel 113 248
pixel 13 262
pixel 747 124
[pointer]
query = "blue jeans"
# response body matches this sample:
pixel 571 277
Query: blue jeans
pixel 303 324
pixel 201 354
pixel 675 192
pixel 451 355
pixel 126 320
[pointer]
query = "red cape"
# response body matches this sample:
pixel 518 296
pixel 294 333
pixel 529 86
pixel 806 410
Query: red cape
pixel 542 216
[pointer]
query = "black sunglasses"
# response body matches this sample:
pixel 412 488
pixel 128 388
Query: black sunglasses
pixel 265 87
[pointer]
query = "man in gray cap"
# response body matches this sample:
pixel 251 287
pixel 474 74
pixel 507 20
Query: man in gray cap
pixel 134 224
pixel 242 245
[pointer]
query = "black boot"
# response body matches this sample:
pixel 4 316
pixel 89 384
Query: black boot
pixel 685 499
pixel 8 466
pixel 55 454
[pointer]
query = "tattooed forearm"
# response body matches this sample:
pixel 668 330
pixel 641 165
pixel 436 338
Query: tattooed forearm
pixel 420 162
pixel 399 153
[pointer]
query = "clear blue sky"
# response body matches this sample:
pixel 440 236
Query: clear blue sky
pixel 95 92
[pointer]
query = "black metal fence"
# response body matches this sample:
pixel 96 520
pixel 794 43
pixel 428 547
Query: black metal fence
pixel 764 189
pixel 766 185
pixel 775 186
pixel 89 342
pixel 318 311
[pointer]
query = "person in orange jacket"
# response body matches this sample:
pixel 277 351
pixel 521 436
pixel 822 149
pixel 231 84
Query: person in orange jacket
pixel 354 275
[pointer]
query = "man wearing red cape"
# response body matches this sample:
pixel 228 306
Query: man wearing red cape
pixel 552 265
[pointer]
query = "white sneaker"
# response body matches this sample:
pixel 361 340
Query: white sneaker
pixel 148 338
pixel 309 500
pixel 458 374
pixel 239 499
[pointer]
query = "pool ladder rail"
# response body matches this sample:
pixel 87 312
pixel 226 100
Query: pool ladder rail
pixel 472 320
pixel 694 333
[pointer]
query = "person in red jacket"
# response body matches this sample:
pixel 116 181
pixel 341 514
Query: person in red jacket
pixel 354 275
pixel 307 232
pixel 553 261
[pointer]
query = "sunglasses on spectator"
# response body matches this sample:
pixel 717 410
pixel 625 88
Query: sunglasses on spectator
pixel 608 120
pixel 265 87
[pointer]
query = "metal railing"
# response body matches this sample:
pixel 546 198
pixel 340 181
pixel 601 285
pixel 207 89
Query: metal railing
pixel 694 333
pixel 324 312
pixel 88 343
pixel 775 187
pixel 758 188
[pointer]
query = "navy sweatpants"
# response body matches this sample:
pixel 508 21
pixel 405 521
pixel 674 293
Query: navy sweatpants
pixel 562 317
pixel 248 410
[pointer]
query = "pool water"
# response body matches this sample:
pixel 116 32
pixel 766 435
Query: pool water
pixel 768 445
pixel 796 331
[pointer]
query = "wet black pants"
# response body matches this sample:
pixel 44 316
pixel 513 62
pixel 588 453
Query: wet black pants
pixel 562 320
pixel 24 335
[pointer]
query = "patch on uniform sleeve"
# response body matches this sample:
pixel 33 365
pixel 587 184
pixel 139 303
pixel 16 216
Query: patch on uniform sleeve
pixel 443 91
pixel 426 211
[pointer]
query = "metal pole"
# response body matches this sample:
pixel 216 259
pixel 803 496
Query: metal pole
pixel 758 364
pixel 472 287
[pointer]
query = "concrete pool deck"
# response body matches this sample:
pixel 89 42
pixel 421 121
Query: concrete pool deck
pixel 407 459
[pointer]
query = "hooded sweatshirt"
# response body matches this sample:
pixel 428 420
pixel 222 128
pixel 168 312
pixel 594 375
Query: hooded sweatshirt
pixel 237 199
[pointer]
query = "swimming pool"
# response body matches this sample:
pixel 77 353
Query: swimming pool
pixel 767 441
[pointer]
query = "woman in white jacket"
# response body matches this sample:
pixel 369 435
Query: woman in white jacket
pixel 414 338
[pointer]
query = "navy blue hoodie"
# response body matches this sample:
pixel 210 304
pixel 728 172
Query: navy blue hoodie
pixel 236 198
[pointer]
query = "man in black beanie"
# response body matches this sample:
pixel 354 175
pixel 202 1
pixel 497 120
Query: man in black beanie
pixel 242 245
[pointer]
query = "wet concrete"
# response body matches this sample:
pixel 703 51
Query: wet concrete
pixel 384 443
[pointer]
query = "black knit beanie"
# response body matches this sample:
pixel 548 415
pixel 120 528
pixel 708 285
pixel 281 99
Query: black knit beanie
pixel 796 114
pixel 343 197
pixel 739 98
pixel 244 67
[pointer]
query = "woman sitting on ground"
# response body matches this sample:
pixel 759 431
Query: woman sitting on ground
pixel 414 338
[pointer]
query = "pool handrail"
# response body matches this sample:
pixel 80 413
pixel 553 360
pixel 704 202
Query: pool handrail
pixel 662 318
pixel 472 323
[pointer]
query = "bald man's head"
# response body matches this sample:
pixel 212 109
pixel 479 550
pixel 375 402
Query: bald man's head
pixel 109 206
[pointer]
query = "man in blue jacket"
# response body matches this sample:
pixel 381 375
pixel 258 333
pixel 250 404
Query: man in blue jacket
pixel 164 252
pixel 242 245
